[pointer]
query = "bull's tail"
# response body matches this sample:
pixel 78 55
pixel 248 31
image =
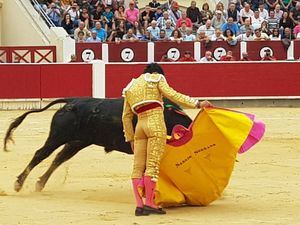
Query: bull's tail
pixel 19 120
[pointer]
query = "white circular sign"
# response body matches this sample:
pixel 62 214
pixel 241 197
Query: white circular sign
pixel 173 53
pixel 87 55
pixel 219 52
pixel 263 50
pixel 127 54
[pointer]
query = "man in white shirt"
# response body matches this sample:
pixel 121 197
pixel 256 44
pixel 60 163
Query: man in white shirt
pixel 256 20
pixel 245 13
pixel 263 13
pixel 154 30
pixel 207 28
pixel 208 57
pixel 246 36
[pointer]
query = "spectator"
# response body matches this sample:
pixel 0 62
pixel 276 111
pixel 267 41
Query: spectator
pixel 86 18
pixel 117 35
pixel 81 38
pixel 154 4
pixel 218 36
pixel 162 21
pixel 101 33
pixel 146 17
pixel 233 12
pixel 108 19
pixel 207 28
pixel 74 13
pixel 66 4
pixel 287 34
pixel 259 36
pixel 245 13
pixel 297 28
pixel 54 14
pixel 193 13
pixel 265 28
pixel 247 25
pixel 130 36
pixel 271 4
pixel 187 57
pixel 275 36
pixel 120 14
pixel 295 14
pixel 285 21
pixel 82 28
pixel 268 56
pixel 273 22
pixel 220 6
pixel 132 15
pixel 278 12
pixel 176 36
pixel 167 6
pixel 256 20
pixel 227 57
pixel 138 30
pixel 206 13
pixel 174 12
pixel 147 36
pixel 94 37
pixel 184 19
pixel 202 37
pixel 263 13
pixel 67 24
pixel 169 29
pixel 97 15
pixel 163 36
pixel 154 30
pixel 245 57
pixel 231 26
pixel 229 37
pixel 189 35
pixel 73 58
pixel 218 20
pixel 183 29
pixel 207 57
pixel 158 13
pixel 286 4
pixel 246 36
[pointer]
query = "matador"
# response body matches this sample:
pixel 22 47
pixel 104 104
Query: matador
pixel 143 96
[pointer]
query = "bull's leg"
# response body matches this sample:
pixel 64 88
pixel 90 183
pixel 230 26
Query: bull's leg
pixel 65 154
pixel 38 157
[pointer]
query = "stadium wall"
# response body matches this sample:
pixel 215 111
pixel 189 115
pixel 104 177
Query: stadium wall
pixel 21 83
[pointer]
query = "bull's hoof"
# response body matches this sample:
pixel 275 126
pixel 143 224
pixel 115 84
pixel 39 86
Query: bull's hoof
pixel 18 185
pixel 39 186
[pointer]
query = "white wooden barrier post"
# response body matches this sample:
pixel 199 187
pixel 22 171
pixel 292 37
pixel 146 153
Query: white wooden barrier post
pixel 98 79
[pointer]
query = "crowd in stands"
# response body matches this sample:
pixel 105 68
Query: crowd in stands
pixel 114 20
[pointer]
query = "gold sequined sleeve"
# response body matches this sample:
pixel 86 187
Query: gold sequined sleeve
pixel 127 122
pixel 175 96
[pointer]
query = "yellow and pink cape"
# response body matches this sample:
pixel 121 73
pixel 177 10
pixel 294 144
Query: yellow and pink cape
pixel 198 161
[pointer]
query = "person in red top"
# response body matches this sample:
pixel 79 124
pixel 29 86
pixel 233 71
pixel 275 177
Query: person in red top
pixel 187 57
pixel 227 57
pixel 185 19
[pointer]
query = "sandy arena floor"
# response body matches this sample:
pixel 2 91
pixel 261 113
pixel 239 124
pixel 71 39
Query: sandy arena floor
pixel 94 188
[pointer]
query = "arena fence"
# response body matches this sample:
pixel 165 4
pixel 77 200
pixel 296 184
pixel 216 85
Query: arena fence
pixel 20 83
pixel 154 51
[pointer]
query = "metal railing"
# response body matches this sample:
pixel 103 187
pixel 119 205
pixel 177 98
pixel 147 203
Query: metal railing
pixel 42 13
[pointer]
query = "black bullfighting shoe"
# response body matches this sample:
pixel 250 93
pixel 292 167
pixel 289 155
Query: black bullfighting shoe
pixel 140 212
pixel 150 210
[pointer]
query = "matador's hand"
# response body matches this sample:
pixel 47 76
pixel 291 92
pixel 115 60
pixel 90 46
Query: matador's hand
pixel 203 104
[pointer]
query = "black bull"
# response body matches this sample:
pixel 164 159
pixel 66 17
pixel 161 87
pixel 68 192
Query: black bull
pixel 83 122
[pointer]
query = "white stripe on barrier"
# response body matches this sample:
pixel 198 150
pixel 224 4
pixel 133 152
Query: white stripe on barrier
pixel 243 48
pixel 290 51
pixel 105 55
pixel 98 79
pixel 150 52
pixel 197 50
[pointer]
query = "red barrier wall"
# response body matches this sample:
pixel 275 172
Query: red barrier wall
pixel 88 51
pixel 20 81
pixel 173 50
pixel 256 49
pixel 45 81
pixel 128 52
pixel 216 79
pixel 219 48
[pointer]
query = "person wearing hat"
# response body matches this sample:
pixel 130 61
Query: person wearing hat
pixel 143 97
pixel 174 12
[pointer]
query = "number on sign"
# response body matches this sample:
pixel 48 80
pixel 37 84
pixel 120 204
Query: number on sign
pixel 87 55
